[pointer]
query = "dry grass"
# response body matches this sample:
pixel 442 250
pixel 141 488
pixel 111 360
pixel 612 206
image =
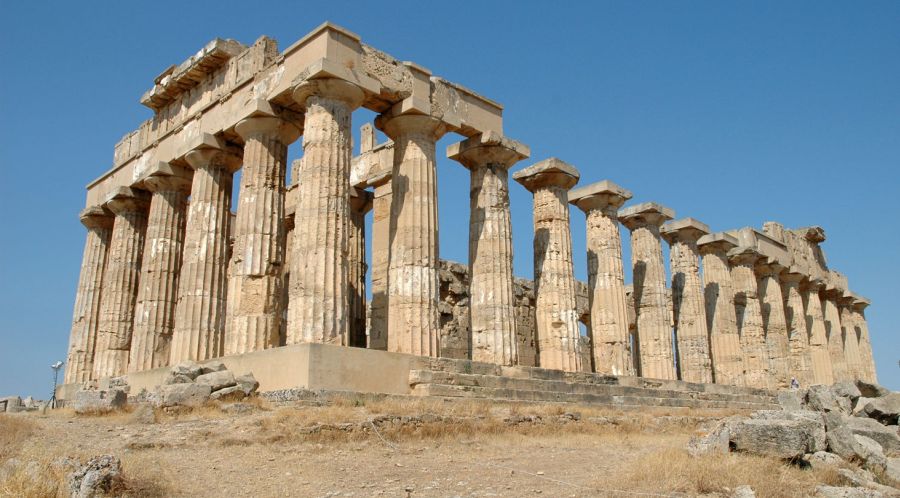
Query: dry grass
pixel 673 470
pixel 14 431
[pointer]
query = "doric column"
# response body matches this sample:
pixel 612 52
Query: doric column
pixel 86 317
pixel 851 338
pixel 381 253
pixel 757 370
pixel 319 308
pixel 491 305
pixel 154 316
pixel 556 317
pixel 718 287
pixel 360 204
pixel 818 339
pixel 202 292
pixel 799 360
pixel 834 334
pixel 688 308
pixel 774 321
pixel 611 344
pixel 654 331
pixel 413 287
pixel 120 281
pixel 254 287
pixel 865 341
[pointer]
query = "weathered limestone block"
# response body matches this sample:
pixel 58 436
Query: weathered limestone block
pixel 757 368
pixel 319 307
pixel 255 283
pixel 654 331
pixel 413 317
pixel 381 251
pixel 154 312
pixel 86 317
pixel 818 340
pixel 556 315
pixel 851 338
pixel 120 281
pixel 688 307
pixel 724 340
pixel 774 321
pixel 526 327
pixel 834 335
pixel 799 359
pixel 360 204
pixel 611 343
pixel 95 401
pixel 456 337
pixel 202 287
pixel 491 308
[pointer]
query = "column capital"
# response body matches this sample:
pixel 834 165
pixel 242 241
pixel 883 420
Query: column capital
pixel 769 267
pixel 549 172
pixel 814 284
pixel 793 275
pixel 411 124
pixel 488 148
pixel 360 200
pixel 176 179
pixel 127 199
pixel 813 234
pixel 685 230
pixel 228 158
pixel 605 196
pixel 329 88
pixel 716 243
pixel 645 214
pixel 744 256
pixel 96 217
pixel 286 131
pixel 859 303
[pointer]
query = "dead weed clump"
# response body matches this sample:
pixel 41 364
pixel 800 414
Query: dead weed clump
pixel 14 431
pixel 674 470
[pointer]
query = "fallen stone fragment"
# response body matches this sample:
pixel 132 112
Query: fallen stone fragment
pixel 177 378
pixel 217 380
pixel 247 383
pixel 233 393
pixel 871 390
pixel 188 369
pixel 96 478
pixel 822 399
pixel 846 390
pixel 743 492
pixel 212 366
pixel 183 394
pixel 846 492
pixel 785 439
pixel 885 435
pixel 872 454
pixel 99 401
pixel 885 409
pixel 823 458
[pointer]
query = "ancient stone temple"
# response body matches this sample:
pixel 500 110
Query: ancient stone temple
pixel 273 278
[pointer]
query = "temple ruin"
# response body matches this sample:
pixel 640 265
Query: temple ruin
pixel 274 280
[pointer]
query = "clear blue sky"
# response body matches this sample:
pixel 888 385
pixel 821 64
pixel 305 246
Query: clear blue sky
pixel 732 113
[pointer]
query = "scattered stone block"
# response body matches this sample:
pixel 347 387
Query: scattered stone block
pixel 846 492
pixel 247 383
pixel 183 395
pixel 212 366
pixel 885 409
pixel 871 390
pixel 846 390
pixel 823 458
pixel 99 401
pixel 233 392
pixel 886 436
pixel 177 378
pixel 96 477
pixel 822 399
pixel 188 369
pixel 785 439
pixel 216 380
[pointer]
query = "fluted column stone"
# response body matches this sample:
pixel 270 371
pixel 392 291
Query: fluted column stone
pixel 360 204
pixel 654 330
pixel 718 286
pixel 154 316
pixel 865 342
pixel 120 281
pixel 688 307
pixel 413 286
pixel 799 360
pixel 556 317
pixel 851 338
pixel 86 316
pixel 381 252
pixel 834 335
pixel 757 368
pixel 202 287
pixel 491 302
pixel 319 308
pixel 254 311
pixel 774 321
pixel 610 340
pixel 818 339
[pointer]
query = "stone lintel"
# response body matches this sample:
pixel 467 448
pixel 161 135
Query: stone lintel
pixel 859 302
pixel 717 241
pixel 599 195
pixel 379 179
pixel 361 200
pixel 683 229
pixel 548 172
pixel 645 213
pixel 489 147
pixel 815 283
pixel 793 274
pixel 744 255
pixel 766 245
pixel 162 168
pixel 769 266
pixel 327 69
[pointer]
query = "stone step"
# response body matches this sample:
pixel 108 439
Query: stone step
pixel 613 400
pixel 502 383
